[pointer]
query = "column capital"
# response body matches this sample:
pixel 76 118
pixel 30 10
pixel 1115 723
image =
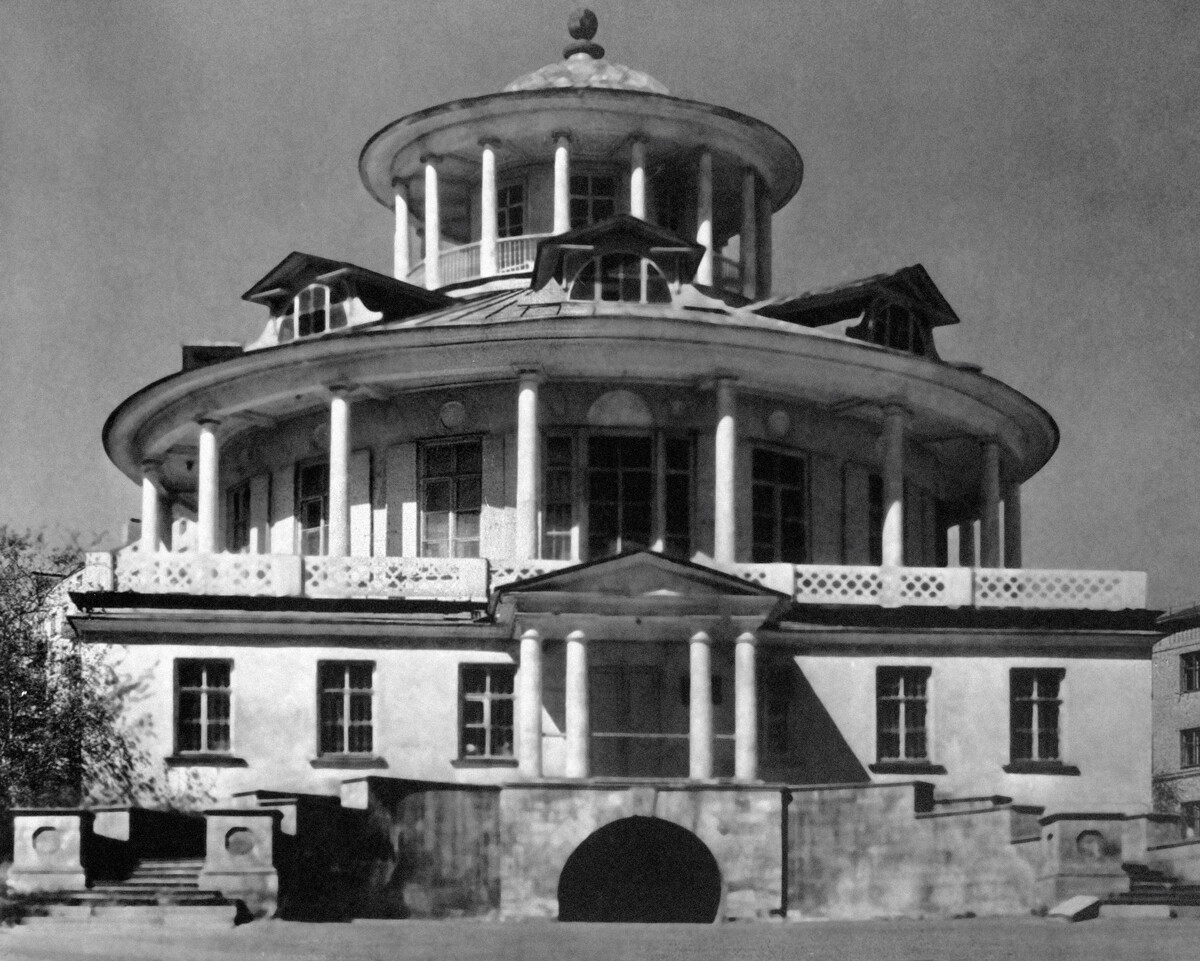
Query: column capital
pixel 489 142
pixel 430 159
pixel 340 389
pixel 578 637
pixel 746 637
pixel 700 637
pixel 896 408
pixel 400 184
pixel 152 466
pixel 637 138
pixel 560 135
pixel 529 373
pixel 724 378
pixel 533 634
pixel 208 421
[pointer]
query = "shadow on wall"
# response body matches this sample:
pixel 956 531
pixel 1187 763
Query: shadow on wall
pixel 799 741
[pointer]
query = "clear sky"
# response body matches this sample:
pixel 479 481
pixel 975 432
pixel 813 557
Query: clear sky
pixel 1040 159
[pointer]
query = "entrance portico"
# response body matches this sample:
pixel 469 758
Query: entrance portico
pixel 638 665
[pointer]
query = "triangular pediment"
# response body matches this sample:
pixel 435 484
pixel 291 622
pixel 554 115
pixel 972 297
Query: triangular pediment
pixel 641 574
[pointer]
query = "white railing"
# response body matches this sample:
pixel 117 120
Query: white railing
pixel 514 255
pixel 459 579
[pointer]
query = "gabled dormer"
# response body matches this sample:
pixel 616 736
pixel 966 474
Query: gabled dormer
pixel 310 296
pixel 621 259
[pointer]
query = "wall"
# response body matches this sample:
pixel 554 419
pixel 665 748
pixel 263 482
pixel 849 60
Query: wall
pixel 1173 711
pixel 1105 726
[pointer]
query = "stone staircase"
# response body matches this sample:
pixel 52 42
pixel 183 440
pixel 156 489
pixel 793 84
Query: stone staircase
pixel 158 891
pixel 1153 891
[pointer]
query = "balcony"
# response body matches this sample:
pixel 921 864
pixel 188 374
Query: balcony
pixel 473 579
pixel 515 255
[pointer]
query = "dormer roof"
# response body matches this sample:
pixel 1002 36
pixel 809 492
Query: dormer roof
pixel 298 270
pixel 624 233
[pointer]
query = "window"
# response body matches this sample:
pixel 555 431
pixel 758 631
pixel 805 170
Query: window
pixel 1189 813
pixel 237 514
pixel 1034 714
pixel 620 277
pixel 593 198
pixel 316 309
pixel 892 325
pixel 451 498
pixel 1189 672
pixel 486 729
pixel 901 708
pixel 510 210
pixel 779 502
pixel 345 693
pixel 202 706
pixel 620 494
pixel 677 496
pixel 1189 747
pixel 312 507
pixel 558 499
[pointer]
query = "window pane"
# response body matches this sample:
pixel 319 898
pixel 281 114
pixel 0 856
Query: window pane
pixel 472 712
pixel 218 674
pixel 439 460
pixel 359 677
pixel 191 674
pixel 474 680
pixel 473 741
pixel 469 493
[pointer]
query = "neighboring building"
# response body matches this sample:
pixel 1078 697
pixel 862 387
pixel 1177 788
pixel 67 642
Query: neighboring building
pixel 1176 691
pixel 573 538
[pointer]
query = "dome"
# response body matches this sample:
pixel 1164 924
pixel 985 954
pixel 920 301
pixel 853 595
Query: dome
pixel 583 65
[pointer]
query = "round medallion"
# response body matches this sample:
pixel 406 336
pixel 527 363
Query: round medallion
pixel 452 414
pixel 47 840
pixel 239 842
pixel 778 423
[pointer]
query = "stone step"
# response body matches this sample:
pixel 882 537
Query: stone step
pixel 216 915
pixel 135 887
pixel 119 896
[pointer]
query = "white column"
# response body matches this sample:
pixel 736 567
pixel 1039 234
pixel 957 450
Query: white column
pixel 989 525
pixel 966 542
pixel 764 246
pixel 526 546
pixel 748 240
pixel 400 254
pixel 207 480
pixel 578 722
pixel 745 708
pixel 893 485
pixel 487 210
pixel 637 179
pixel 704 223
pixel 700 713
pixel 339 472
pixel 1012 525
pixel 724 474
pixel 151 538
pixel 433 225
pixel 529 730
pixel 562 182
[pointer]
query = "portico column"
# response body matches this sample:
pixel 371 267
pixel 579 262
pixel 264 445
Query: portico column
pixel 1012 525
pixel 700 714
pixel 562 182
pixel 527 463
pixel 433 225
pixel 966 542
pixel 400 252
pixel 704 224
pixel 487 210
pixel 764 246
pixel 724 486
pixel 893 485
pixel 151 538
pixel 529 748
pixel 339 472
pixel 989 526
pixel 578 722
pixel 207 479
pixel 748 241
pixel 637 179
pixel 745 708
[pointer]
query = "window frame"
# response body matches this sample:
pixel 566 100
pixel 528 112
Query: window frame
pixel 206 750
pixel 452 524
pixel 237 518
pixel 777 488
pixel 338 758
pixel 1189 748
pixel 1189 816
pixel 649 272
pixel 503 229
pixel 323 529
pixel 590 197
pixel 1038 765
pixel 904 760
pixel 1189 672
pixel 487 698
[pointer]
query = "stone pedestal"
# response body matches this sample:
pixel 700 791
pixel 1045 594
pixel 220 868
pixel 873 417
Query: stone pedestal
pixel 48 848
pixel 240 856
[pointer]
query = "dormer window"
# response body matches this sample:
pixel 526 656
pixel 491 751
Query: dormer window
pixel 620 277
pixel 317 309
pixel 593 198
pixel 892 325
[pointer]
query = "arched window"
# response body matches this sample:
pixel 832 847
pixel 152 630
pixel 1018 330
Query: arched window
pixel 892 325
pixel 621 277
pixel 317 309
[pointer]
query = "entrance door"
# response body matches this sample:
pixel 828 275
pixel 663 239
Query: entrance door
pixel 625 702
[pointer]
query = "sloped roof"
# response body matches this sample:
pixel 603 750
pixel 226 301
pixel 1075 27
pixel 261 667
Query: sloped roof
pixel 829 305
pixel 623 231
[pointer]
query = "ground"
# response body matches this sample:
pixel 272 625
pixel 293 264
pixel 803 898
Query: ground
pixel 1025 939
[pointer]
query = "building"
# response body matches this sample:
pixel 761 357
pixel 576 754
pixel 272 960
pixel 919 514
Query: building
pixel 1176 720
pixel 573 543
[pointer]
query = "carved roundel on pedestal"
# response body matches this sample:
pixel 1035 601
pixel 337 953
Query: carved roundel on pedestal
pixel 47 840
pixel 778 423
pixel 452 414
pixel 239 842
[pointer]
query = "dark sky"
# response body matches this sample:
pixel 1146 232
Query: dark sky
pixel 1040 159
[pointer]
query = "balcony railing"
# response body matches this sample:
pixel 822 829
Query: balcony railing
pixel 472 579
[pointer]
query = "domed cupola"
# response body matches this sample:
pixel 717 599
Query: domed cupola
pixel 583 65
pixel 477 184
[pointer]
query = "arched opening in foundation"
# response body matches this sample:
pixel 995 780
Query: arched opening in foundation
pixel 640 869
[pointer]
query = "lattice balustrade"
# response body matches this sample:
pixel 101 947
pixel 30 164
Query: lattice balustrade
pixel 437 578
pixel 508 572
pixel 774 577
pixel 837 584
pixel 96 573
pixel 930 586
pixel 245 575
pixel 1081 590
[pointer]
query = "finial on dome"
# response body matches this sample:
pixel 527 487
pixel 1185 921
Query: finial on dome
pixel 581 25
